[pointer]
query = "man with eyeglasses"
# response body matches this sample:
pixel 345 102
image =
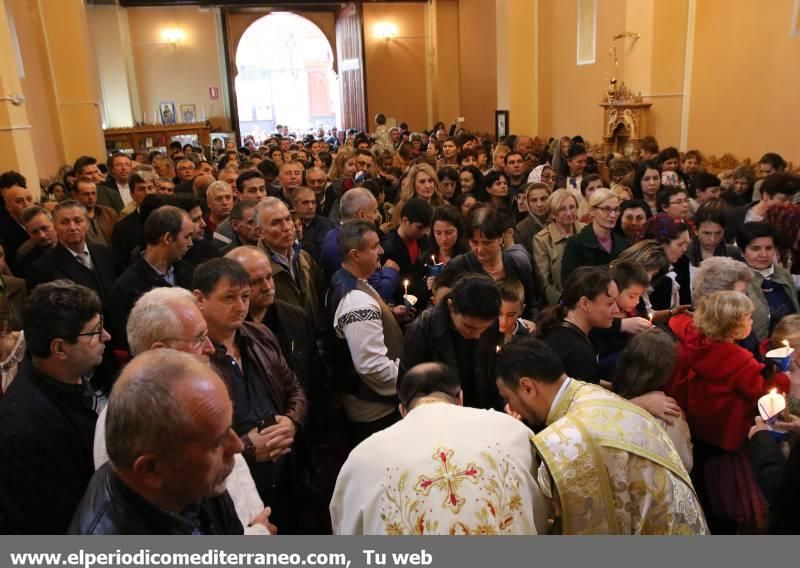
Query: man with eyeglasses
pixel 48 414
pixel 268 400
pixel 169 318
pixel 167 236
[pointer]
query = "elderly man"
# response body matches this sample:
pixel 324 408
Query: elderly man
pixel 74 258
pixel 167 237
pixel 595 447
pixel 101 218
pixel 16 198
pixel 358 204
pixel 169 318
pixel 269 402
pixel 317 181
pixel 250 187
pixel 315 226
pixel 171 449
pixel 367 343
pixel 38 223
pixel 219 199
pixel 246 231
pixel 297 275
pixel 48 414
pixel 289 179
pixel 489 451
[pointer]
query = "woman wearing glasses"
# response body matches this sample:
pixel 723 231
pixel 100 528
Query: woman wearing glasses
pixel 597 244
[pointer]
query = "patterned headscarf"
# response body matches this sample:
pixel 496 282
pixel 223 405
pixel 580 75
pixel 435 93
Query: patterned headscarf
pixel 661 228
pixel 536 175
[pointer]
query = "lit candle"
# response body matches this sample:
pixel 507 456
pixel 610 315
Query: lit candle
pixel 433 259
pixel 405 285
pixel 771 405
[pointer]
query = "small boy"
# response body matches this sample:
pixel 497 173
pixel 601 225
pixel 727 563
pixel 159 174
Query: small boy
pixel 632 282
pixel 512 305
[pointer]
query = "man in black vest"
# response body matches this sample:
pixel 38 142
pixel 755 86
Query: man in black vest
pixel 368 340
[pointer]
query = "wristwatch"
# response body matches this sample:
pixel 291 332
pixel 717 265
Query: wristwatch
pixel 249 451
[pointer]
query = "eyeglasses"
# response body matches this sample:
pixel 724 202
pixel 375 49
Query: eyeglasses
pixel 195 342
pixel 609 210
pixel 93 335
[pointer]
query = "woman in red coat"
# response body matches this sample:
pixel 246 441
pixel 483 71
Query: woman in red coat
pixel 724 384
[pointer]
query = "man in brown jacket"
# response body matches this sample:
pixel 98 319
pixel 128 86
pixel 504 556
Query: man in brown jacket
pixel 269 402
pixel 101 218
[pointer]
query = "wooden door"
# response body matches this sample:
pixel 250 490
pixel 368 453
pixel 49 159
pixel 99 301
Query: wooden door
pixel 350 58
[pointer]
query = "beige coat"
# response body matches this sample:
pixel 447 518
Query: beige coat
pixel 548 248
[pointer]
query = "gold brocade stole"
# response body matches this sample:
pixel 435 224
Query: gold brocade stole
pixel 587 419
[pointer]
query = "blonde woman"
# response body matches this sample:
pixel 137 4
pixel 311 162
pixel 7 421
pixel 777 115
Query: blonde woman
pixel 548 244
pixel 421 182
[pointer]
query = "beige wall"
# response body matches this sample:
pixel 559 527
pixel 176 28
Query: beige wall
pixel 477 46
pixel 745 85
pixel 37 88
pixel 181 73
pixel 111 54
pixel 396 77
pixel 570 93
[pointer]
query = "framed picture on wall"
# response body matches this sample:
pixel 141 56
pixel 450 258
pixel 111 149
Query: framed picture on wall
pixel 188 113
pixel 500 124
pixel 167 111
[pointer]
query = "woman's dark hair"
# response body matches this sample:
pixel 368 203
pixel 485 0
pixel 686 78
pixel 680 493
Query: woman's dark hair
pixel 710 212
pixel 587 281
pixel 57 310
pixel 751 231
pixel 451 174
pixel 448 214
pixel 477 175
pixel 631 204
pixel 638 174
pixel 527 357
pixel 488 181
pixel 587 179
pixel 774 160
pixel 645 364
pixel 669 153
pixel 576 149
pixel 662 228
pixel 665 195
pixel 486 220
pixel 475 295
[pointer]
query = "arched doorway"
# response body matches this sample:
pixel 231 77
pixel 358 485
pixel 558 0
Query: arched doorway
pixel 285 76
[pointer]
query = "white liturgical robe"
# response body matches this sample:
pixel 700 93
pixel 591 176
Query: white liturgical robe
pixel 443 469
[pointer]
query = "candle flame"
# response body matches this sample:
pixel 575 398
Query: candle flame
pixel 773 391
pixel 785 343
pixel 433 259
pixel 405 282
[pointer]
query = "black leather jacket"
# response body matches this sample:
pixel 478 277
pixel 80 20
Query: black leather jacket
pixel 111 507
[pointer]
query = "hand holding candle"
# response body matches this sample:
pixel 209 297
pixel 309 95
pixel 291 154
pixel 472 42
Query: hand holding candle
pixel 782 356
pixel 771 405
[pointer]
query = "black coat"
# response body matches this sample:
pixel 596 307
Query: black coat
pixel 429 338
pixel 734 219
pixel 314 235
pixel 661 297
pixel 46 440
pixel 395 249
pixel 515 269
pixel 126 236
pixel 111 507
pixel 59 263
pixel 131 285
pixel 201 251
pixel 13 236
pixel 779 480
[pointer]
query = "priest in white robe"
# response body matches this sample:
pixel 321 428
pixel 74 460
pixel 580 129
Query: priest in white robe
pixel 443 469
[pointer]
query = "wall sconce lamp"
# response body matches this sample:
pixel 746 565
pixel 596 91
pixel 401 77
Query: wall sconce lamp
pixel 172 36
pixel 386 30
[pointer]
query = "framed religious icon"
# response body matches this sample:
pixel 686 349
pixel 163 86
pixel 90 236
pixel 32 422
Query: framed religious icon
pixel 167 111
pixel 188 113
pixel 500 124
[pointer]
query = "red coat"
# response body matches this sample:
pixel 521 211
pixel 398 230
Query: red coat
pixel 718 386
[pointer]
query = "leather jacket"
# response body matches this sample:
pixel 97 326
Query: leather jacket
pixel 111 507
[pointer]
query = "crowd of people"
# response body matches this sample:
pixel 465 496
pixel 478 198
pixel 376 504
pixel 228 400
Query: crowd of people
pixel 397 332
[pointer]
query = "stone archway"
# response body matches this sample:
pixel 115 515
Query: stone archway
pixel 284 76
